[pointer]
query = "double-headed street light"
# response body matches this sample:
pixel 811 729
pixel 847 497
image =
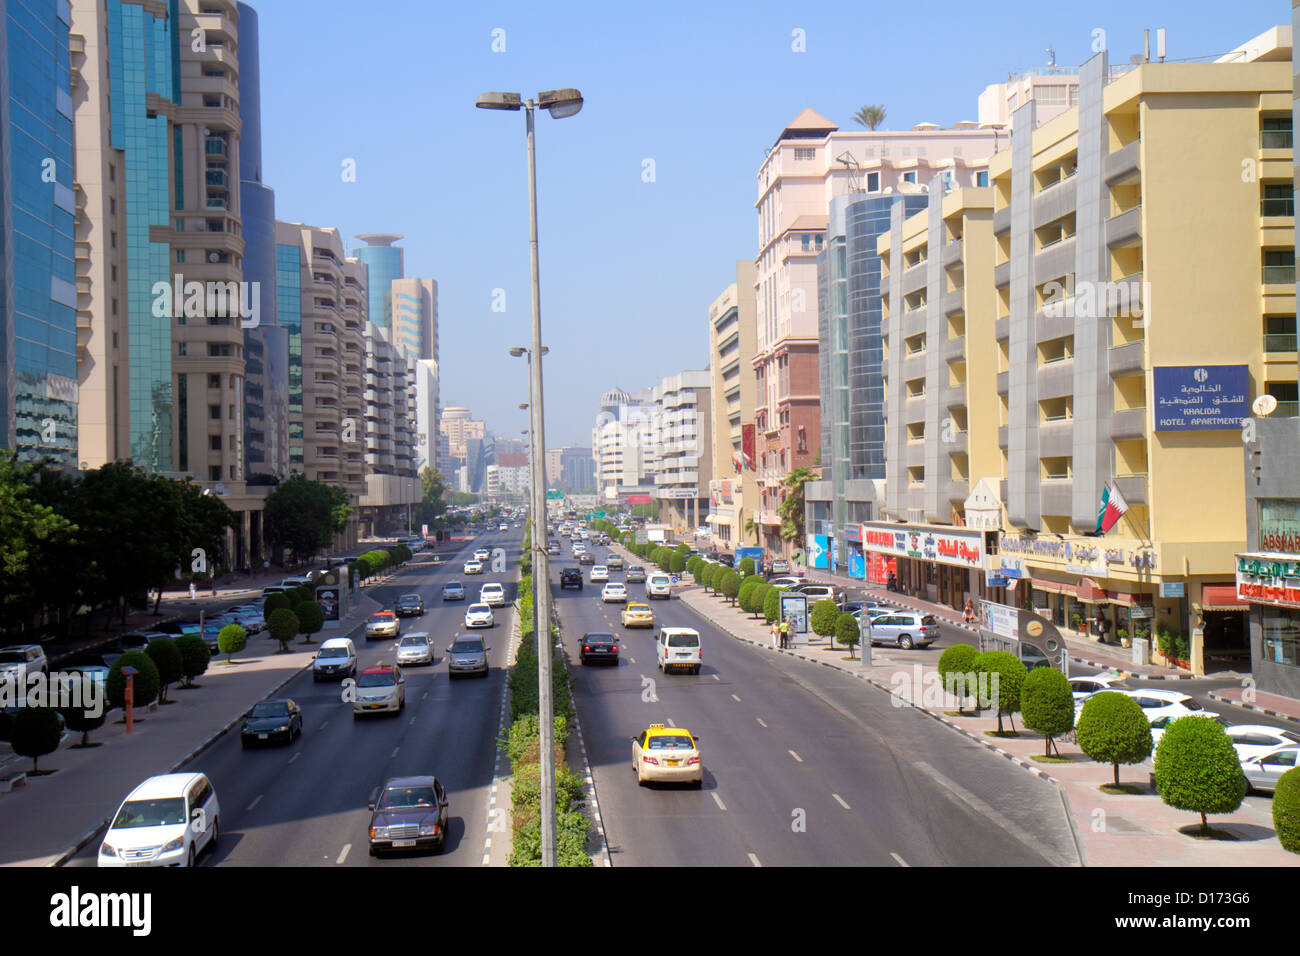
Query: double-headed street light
pixel 559 103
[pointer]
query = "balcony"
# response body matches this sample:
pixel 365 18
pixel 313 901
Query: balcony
pixel 1275 139
pixel 1002 274
pixel 1277 206
pixel 1128 423
pixel 952 252
pixel 1283 342
pixel 1122 165
pixel 1133 488
pixel 1279 275
pixel 1056 438
pixel 953 302
pixel 1126 358
pixel 1125 228
pixel 1002 220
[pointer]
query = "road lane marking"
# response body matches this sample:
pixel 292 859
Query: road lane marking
pixel 395 749
pixel 899 860
pixel 324 723
pixel 795 755
pixel 840 801
pixel 412 721
pixel 344 855
pixel 295 756
pixel 754 860
pixel 718 800
pixel 735 698
pixel 256 800
pixel 760 721
pixel 669 722
pixel 424 695
pixel 716 677
pixel 631 660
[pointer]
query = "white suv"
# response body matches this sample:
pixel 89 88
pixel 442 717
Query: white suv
pixel 19 660
pixel 493 595
pixel 658 585
pixel 678 648
pixel 165 821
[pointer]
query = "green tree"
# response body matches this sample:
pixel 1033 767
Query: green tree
pixel 1009 673
pixel 275 602
pixel 311 618
pixel 30 535
pixel 232 639
pixel 83 720
pixel 36 732
pixel 772 603
pixel 730 584
pixel 693 566
pixel 1197 768
pixel 870 116
pixel 847 632
pixel 956 669
pixel 752 527
pixel 1047 704
pixel 162 651
pixel 746 593
pixel 195 655
pixel 823 617
pixel 301 515
pixel 1113 729
pixel 145 685
pixel 791 508
pixel 1286 810
pixel 284 626
pixel 676 563
pixel 746 566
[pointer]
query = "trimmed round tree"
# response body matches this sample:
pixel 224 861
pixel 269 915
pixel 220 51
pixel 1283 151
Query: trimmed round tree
pixel 758 599
pixel 693 565
pixel 846 632
pixel 711 577
pixel 163 652
pixel 36 732
pixel 1113 729
pixel 747 566
pixel 363 569
pixel 676 563
pixel 730 584
pixel 1006 672
pixel 823 617
pixel 84 719
pixel 1047 704
pixel 1286 810
pixel 284 626
pixel 232 639
pixel 195 656
pixel 1198 769
pixel 772 603
pixel 145 685
pixel 956 669
pixel 311 618
pixel 746 593
pixel 275 601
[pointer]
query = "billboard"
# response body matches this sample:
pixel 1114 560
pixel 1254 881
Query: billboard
pixel 795 607
pixel 1191 398
pixel 819 551
pixel 749 445
pixel 638 499
pixel 961 548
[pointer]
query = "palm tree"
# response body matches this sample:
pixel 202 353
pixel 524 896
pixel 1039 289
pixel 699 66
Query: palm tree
pixel 870 116
pixel 752 527
pixel 791 508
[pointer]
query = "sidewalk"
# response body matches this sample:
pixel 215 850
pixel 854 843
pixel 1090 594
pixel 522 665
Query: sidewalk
pixel 1112 830
pixel 47 819
pixel 1287 708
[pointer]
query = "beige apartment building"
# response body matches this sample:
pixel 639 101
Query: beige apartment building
pixel 684 426
pixel 733 490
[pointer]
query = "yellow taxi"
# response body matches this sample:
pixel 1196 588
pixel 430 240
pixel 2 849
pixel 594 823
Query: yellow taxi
pixel 667 755
pixel 638 615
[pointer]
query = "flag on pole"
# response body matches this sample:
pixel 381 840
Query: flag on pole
pixel 1112 509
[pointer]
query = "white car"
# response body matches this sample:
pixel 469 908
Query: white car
pixel 166 821
pixel 783 582
pixel 599 573
pixel 482 554
pixel 658 586
pixel 678 648
pixel 415 648
pixel 479 615
pixel 1155 703
pixel 1160 725
pixel 1262 771
pixel 1256 740
pixel 473 567
pixel 493 595
pixel 504 527
pixel 1085 685
pixel 380 688
pixel 614 591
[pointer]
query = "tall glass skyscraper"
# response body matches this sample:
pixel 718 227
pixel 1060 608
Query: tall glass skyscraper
pixel 288 292
pixel 38 292
pixel 385 263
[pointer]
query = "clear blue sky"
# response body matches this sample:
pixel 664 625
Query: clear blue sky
pixel 629 268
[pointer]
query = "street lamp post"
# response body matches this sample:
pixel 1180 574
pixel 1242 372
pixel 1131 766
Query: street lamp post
pixel 559 103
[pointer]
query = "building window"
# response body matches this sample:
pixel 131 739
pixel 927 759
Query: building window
pixel 214 412
pixel 180 348
pixel 1050 95
pixel 801 153
pixel 873 182
pixel 112 237
pixel 214 473
pixel 115 306
pixel 1281 634
pixel 1074 95
pixel 214 442
pixel 909 177
pixel 214 381
pixel 982 178
pixel 180 255
pixel 806 242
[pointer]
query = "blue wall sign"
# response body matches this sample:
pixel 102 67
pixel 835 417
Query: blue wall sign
pixel 1191 398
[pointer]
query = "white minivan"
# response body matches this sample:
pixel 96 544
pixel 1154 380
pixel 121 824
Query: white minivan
pixel 658 586
pixel 678 649
pixel 166 821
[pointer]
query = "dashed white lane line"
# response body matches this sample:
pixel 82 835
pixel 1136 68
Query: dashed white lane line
pixel 412 721
pixel 735 698
pixel 716 677
pixel 669 722
pixel 840 801
pixel 324 724
pixel 631 660
pixel 394 753
pixel 295 756
pixel 899 860
pixel 256 800
pixel 424 695
pixel 754 860
pixel 760 722
pixel 344 855
pixel 795 755
pixel 718 800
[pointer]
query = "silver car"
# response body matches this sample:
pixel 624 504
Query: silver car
pixel 415 648
pixel 453 591
pixel 467 655
pixel 1262 772
pixel 905 629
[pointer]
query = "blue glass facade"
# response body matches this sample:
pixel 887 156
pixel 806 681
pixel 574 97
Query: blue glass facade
pixel 38 301
pixel 288 292
pixel 142 60
pixel 384 264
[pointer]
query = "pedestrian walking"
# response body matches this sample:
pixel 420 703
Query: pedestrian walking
pixel 776 633
pixel 214 585
pixel 194 591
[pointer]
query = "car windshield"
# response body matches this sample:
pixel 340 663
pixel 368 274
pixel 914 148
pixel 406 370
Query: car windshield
pixel 413 598
pixel 467 647
pixel 270 708
pixel 414 641
pixel 332 652
pixel 1189 703
pixel 453 586
pixel 382 679
pixel 479 609
pixel 407 797
pixel 169 811
pixel 683 640
pixel 675 742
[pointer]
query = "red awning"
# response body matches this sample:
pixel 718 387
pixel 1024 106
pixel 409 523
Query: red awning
pixel 1221 597
pixel 1056 587
pixel 1088 591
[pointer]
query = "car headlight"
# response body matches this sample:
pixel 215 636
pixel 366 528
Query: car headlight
pixel 428 829
pixel 174 844
pixel 106 850
pixel 379 833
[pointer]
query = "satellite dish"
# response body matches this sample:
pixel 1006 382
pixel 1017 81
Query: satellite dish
pixel 1264 406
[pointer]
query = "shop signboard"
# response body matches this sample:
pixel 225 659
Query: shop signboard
pixel 1267 578
pixel 1279 526
pixel 1201 397
pixel 819 551
pixel 961 548
pixel 1173 589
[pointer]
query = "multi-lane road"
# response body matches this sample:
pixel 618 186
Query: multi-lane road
pixel 305 804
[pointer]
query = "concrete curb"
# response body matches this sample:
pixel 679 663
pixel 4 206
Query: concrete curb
pixel 1214 695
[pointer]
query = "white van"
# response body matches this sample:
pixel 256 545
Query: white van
pixel 166 821
pixel 658 586
pixel 335 660
pixel 679 648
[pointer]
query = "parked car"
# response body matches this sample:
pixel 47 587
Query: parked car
pixel 1085 685
pixel 820 592
pixel 337 658
pixel 165 821
pixel 467 655
pixel 479 615
pixel 379 689
pixel 271 719
pixel 571 578
pixel 249 617
pixel 453 591
pixel 1263 771
pixel 1166 703
pixel 415 648
pixel 408 813
pixel 785 582
pixel 599 647
pixel 905 629
pixel 1256 740
pixel 779 566
pixel 19 660
pixel 409 605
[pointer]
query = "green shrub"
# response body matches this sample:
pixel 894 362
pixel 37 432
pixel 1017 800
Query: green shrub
pixel 146 682
pixel 1286 810
pixel 195 656
pixel 705 577
pixel 283 626
pixel 730 584
pixel 36 732
pixel 232 638
pixel 1113 729
pixel 956 669
pixel 1010 678
pixel 311 618
pixel 693 565
pixel 772 603
pixel 1047 704
pixel 758 598
pixel 81 720
pixel 746 593
pixel 162 651
pixel 676 563
pixel 276 601
pixel 823 617
pixel 1198 769
pixel 746 566
pixel 847 632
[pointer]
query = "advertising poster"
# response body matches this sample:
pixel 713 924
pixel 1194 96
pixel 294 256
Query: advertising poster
pixel 795 607
pixel 328 599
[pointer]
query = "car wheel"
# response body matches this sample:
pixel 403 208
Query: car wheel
pixel 191 857
pixel 905 642
pixel 216 833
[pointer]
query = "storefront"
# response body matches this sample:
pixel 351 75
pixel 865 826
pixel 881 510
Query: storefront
pixel 941 564
pixel 1270 583
pixel 851 535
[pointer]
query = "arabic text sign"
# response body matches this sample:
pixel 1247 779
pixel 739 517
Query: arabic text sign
pixel 961 548
pixel 1192 398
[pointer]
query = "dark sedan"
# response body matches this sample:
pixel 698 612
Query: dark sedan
pixel 409 605
pixel 271 720
pixel 600 647
pixel 408 813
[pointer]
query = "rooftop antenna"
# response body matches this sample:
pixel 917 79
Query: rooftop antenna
pixel 855 174
pixel 1051 58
